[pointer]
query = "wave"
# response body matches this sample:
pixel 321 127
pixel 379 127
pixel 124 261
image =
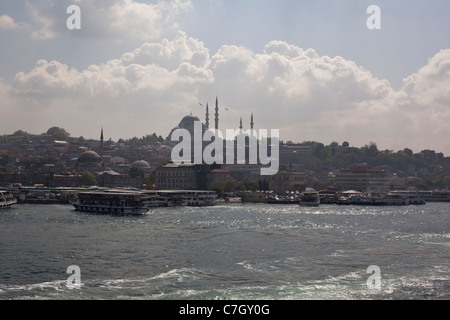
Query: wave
pixel 192 283
pixel 56 285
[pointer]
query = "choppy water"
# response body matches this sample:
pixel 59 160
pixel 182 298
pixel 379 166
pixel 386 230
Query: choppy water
pixel 248 252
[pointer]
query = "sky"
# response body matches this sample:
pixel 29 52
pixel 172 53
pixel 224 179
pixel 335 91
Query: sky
pixel 312 69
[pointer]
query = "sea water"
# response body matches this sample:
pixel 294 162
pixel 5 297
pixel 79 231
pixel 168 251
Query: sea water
pixel 230 251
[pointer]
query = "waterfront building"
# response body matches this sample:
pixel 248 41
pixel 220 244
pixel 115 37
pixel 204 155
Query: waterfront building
pixel 69 180
pixel 287 181
pixel 297 155
pixel 112 179
pixel 362 177
pixel 181 177
pixel 217 176
pixel 396 183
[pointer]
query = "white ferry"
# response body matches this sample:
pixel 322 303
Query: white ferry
pixel 112 202
pixel 391 199
pixel 201 198
pixel 414 198
pixel 309 199
pixel 182 198
pixel 7 199
pixel 435 196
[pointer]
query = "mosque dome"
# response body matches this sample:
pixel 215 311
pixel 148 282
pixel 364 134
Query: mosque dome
pixel 188 122
pixel 89 157
pixel 141 164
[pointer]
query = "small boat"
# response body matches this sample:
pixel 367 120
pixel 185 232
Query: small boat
pixel 344 201
pixel 7 199
pixel 309 199
pixel 416 200
pixel 275 199
pixel 112 202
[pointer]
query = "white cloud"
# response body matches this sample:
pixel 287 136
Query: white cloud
pixel 143 84
pixel 106 20
pixel 8 23
pixel 153 66
pixel 305 95
pixel 427 101
pixel 170 54
pixel 124 19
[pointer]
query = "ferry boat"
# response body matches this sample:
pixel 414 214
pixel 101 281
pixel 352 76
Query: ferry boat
pixel 414 198
pixel 435 196
pixel 395 200
pixel 181 198
pixel 309 199
pixel 201 198
pixel 7 199
pixel 154 201
pixel 112 202
pixel 380 200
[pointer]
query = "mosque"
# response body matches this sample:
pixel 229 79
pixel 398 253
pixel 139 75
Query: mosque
pixel 188 121
pixel 94 161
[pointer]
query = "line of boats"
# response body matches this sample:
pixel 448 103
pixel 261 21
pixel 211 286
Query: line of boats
pixel 381 199
pixel 124 201
pixel 139 202
pixel 314 199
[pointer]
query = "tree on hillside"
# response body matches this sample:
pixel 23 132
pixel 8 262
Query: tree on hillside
pixel 58 133
pixel 136 172
pixel 21 133
pixel 88 179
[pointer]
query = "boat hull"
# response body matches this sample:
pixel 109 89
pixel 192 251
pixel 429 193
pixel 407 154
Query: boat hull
pixel 309 203
pixel 109 209
pixel 7 200
pixel 8 204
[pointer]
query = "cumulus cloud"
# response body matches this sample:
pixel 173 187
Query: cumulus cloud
pixel 8 23
pixel 153 80
pixel 155 68
pixel 305 95
pixel 112 19
pixel 427 98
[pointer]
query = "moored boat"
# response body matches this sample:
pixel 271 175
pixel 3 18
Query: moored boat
pixel 344 201
pixel 7 199
pixel 201 198
pixel 380 200
pixel 112 202
pixel 309 199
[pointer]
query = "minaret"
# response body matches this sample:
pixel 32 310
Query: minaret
pixel 101 146
pixel 241 126
pixel 217 113
pixel 207 117
pixel 252 123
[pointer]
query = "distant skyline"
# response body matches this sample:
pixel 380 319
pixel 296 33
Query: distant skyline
pixel 309 68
